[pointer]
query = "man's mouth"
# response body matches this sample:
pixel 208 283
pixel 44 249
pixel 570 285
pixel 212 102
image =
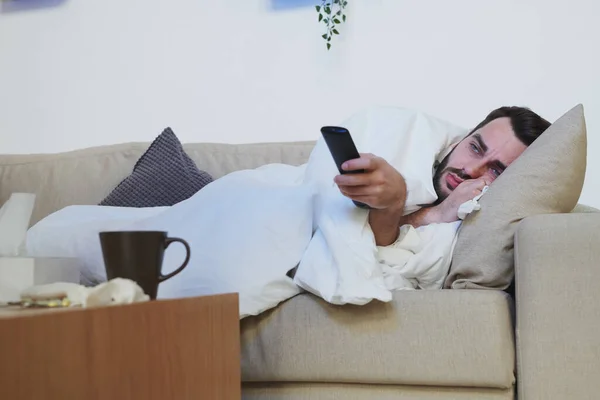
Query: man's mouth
pixel 452 181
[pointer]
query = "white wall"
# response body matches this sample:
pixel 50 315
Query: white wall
pixel 82 73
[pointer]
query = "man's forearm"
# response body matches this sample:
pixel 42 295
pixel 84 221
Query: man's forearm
pixel 386 224
pixel 422 217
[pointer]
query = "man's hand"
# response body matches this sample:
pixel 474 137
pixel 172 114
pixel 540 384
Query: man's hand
pixel 380 186
pixel 447 210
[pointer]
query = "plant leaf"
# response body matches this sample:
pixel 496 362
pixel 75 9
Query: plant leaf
pixel 337 21
pixel 318 8
pixel 335 31
pixel 328 46
pixel 344 17
pixel 320 17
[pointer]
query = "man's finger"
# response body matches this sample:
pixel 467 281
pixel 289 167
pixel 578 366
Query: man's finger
pixel 362 199
pixel 482 183
pixel 479 183
pixel 353 180
pixel 357 190
pixel 366 162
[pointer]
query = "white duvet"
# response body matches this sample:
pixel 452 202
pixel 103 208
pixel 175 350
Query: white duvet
pixel 248 229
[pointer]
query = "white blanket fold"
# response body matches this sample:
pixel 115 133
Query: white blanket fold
pixel 342 263
pixel 248 229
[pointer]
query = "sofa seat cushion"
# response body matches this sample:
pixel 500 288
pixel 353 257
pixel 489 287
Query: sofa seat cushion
pixel 441 338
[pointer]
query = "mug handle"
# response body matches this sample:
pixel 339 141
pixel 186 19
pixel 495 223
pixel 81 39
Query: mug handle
pixel 168 241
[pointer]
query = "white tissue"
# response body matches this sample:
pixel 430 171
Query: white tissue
pixel 113 292
pixel 468 207
pixel 116 291
pixel 15 215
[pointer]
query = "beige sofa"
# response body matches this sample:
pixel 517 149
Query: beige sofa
pixel 446 344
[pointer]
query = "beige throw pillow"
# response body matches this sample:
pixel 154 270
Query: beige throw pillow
pixel 547 178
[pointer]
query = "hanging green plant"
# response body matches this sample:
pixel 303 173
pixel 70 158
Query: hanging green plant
pixel 332 14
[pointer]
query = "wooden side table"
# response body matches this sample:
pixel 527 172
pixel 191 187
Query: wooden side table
pixel 167 349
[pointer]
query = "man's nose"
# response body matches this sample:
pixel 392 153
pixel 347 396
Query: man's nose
pixel 475 169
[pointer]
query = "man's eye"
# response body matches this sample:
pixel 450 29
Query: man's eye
pixel 474 148
pixel 496 171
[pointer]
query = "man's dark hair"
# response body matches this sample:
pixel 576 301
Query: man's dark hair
pixel 527 125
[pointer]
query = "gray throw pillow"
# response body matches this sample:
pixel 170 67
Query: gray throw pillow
pixel 547 178
pixel 163 176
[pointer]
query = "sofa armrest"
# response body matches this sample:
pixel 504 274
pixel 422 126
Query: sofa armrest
pixel 557 267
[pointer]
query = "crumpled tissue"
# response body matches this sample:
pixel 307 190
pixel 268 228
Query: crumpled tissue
pixel 468 207
pixel 113 292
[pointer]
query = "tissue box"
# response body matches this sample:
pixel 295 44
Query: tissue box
pixel 19 273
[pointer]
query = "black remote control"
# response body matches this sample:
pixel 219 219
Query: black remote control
pixel 342 148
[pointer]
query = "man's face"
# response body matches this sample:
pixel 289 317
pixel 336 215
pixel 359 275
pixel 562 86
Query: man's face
pixel 484 154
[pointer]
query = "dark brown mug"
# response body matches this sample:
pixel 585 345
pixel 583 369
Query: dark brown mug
pixel 138 255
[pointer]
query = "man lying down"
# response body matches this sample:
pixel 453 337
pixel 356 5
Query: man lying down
pixel 250 228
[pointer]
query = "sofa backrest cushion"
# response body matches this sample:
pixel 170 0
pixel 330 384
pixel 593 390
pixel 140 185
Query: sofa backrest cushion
pixel 85 177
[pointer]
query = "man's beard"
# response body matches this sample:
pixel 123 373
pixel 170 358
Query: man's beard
pixel 439 184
